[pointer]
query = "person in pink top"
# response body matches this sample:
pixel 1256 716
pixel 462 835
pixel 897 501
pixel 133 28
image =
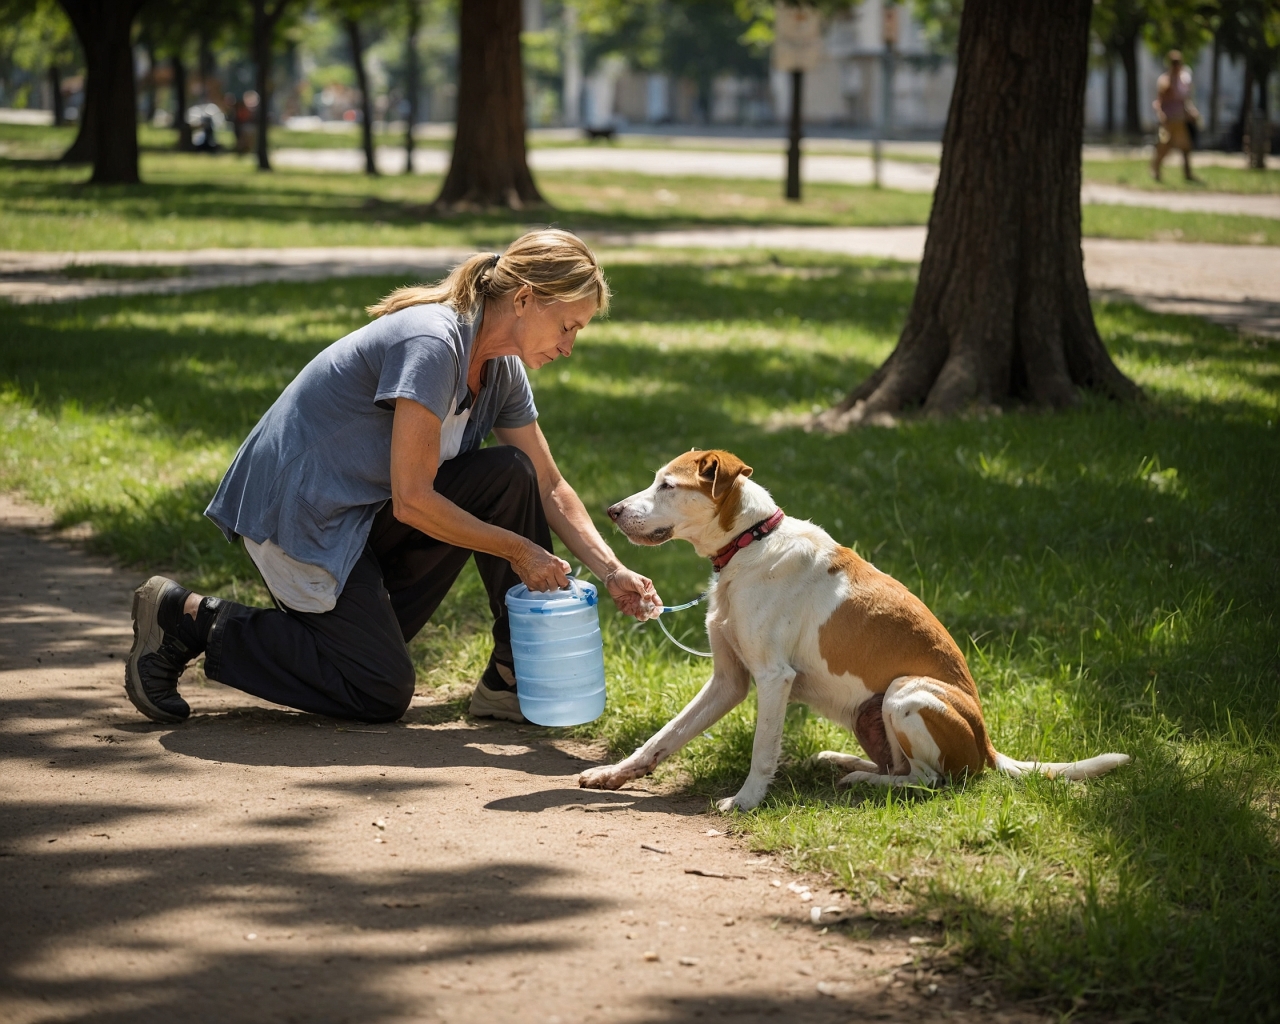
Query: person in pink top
pixel 1174 109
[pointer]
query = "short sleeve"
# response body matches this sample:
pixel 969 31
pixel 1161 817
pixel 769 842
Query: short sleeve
pixel 518 410
pixel 424 369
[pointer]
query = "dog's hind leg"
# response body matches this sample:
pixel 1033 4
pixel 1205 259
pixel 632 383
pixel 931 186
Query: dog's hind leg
pixel 923 777
pixel 845 762
pixel 725 690
pixel 773 689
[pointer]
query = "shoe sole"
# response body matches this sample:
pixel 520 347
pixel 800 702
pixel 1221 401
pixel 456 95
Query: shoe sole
pixel 146 601
pixel 483 706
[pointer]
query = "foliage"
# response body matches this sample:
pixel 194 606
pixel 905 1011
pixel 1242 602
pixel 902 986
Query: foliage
pixel 1250 30
pixel 36 35
pixel 1105 571
pixel 940 20
pixel 696 39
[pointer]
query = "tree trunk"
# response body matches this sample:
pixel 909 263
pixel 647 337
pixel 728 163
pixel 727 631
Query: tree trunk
pixel 149 111
pixel 366 103
pixel 1214 87
pixel 1129 57
pixel 204 58
pixel 55 89
pixel 265 19
pixel 109 123
pixel 412 82
pixel 1111 96
pixel 180 103
pixel 489 165
pixel 1001 310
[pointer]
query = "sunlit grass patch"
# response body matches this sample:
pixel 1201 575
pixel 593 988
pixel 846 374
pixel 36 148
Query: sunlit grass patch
pixel 1111 574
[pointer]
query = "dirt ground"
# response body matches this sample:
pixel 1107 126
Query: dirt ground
pixel 255 864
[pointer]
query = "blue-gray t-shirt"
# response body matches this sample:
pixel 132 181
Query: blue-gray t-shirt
pixel 315 470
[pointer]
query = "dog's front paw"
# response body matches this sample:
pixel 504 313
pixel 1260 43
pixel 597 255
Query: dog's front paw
pixel 607 776
pixel 739 802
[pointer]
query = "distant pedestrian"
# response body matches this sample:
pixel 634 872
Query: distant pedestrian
pixel 1176 113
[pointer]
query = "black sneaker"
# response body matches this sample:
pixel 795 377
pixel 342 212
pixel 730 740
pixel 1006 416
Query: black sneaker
pixel 158 657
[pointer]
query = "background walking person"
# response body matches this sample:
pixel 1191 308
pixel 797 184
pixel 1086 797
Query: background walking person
pixel 1176 112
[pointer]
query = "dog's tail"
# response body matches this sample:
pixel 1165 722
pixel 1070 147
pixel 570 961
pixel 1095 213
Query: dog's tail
pixel 1089 768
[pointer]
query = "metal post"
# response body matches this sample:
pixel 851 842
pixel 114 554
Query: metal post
pixel 793 148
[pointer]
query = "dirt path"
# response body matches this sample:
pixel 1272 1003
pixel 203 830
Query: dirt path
pixel 260 865
pixel 1234 285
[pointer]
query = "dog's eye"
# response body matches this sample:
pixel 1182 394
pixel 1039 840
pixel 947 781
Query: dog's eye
pixel 664 486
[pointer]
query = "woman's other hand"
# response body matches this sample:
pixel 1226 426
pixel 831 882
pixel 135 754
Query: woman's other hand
pixel 539 569
pixel 633 594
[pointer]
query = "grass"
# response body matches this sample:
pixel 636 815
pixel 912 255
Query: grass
pixel 1110 572
pixel 194 200
pixel 1137 174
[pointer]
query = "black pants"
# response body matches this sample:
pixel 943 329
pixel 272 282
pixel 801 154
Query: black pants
pixel 352 662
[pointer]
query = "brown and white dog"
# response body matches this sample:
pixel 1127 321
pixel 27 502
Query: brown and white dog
pixel 810 621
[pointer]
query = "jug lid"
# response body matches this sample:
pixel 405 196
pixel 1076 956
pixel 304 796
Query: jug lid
pixel 579 594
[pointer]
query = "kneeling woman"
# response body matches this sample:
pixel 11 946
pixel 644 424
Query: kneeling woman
pixel 364 489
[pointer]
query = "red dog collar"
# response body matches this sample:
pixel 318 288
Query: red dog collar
pixel 758 532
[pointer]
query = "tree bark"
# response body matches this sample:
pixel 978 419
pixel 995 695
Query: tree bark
pixel 180 103
pixel 265 19
pixel 412 81
pixel 109 123
pixel 490 165
pixel 1001 311
pixel 366 103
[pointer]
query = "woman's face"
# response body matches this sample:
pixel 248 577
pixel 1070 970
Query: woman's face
pixel 545 330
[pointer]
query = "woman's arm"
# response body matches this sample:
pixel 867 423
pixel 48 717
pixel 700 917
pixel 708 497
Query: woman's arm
pixel 415 456
pixel 568 517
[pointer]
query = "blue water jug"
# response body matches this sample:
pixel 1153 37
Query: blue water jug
pixel 559 654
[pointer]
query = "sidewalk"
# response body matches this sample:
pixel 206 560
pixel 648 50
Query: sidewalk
pixel 1237 286
pixel 827 168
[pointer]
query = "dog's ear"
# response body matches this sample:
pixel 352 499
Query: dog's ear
pixel 720 470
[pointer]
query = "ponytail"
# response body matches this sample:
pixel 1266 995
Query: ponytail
pixel 556 264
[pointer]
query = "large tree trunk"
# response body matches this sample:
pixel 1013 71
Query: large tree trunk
pixel 489 166
pixel 412 80
pixel 1001 310
pixel 366 102
pixel 109 123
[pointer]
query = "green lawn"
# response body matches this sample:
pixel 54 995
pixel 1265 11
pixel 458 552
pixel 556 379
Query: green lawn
pixel 1111 573
pixel 194 200
pixel 1137 174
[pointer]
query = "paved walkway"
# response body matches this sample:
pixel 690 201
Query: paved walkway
pixel 255 864
pixel 840 169
pixel 1238 286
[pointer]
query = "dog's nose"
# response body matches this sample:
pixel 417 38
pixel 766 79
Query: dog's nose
pixel 616 510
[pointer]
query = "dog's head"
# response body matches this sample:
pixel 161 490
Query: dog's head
pixel 695 497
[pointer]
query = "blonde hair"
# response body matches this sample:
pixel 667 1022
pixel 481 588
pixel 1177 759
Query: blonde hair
pixel 556 264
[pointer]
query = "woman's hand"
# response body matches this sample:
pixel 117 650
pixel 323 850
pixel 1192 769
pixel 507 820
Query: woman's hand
pixel 539 569
pixel 633 594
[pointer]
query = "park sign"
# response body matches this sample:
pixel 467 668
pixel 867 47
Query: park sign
pixel 797 38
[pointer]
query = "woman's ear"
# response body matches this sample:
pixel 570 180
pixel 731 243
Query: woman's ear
pixel 521 300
